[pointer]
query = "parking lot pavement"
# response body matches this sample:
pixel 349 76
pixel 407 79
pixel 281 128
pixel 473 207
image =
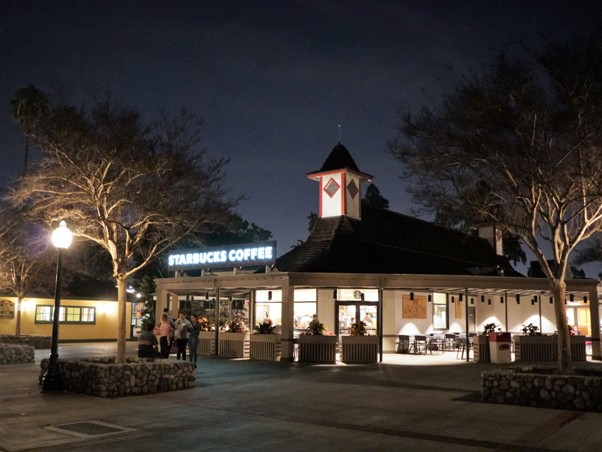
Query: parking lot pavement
pixel 247 405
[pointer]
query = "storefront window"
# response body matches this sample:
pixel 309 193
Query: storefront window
pixel 304 312
pixel 439 312
pixel 305 307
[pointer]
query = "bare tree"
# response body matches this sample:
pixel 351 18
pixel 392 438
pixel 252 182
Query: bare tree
pixel 20 256
pixel 133 188
pixel 520 146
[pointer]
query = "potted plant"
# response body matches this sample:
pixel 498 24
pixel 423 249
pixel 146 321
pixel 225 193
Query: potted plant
pixel 233 341
pixel 316 344
pixel 359 347
pixel 265 343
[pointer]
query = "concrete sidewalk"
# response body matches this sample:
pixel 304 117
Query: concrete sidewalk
pixel 418 403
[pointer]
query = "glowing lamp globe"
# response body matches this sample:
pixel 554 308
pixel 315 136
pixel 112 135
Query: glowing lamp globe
pixel 62 236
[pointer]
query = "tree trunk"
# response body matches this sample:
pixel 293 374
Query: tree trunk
pixel 18 313
pixel 121 319
pixel 565 361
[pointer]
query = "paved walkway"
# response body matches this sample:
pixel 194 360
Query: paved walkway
pixel 417 403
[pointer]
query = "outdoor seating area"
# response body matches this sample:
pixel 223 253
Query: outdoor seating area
pixel 422 344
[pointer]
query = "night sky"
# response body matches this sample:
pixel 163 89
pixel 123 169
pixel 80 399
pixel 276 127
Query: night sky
pixel 271 79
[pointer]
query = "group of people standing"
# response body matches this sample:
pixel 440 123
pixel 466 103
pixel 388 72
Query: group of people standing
pixel 184 332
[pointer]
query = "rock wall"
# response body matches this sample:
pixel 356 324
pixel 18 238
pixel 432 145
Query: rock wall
pixel 16 354
pixel 103 378
pixel 38 342
pixel 570 392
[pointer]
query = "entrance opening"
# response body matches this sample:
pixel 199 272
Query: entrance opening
pixel 350 312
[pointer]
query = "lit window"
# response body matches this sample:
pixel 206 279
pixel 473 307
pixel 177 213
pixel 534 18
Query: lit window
pixel 439 312
pixel 67 314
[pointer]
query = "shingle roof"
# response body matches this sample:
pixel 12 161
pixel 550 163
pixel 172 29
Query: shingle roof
pixel 338 159
pixel 389 242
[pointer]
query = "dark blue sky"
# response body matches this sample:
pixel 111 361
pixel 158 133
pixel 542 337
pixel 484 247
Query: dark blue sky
pixel 272 79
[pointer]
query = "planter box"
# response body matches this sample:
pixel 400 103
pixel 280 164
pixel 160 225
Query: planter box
pixel 265 347
pixel 317 349
pixel 480 347
pixel 578 348
pixel 544 348
pixel 360 349
pixel 534 348
pixel 206 345
pixel 234 345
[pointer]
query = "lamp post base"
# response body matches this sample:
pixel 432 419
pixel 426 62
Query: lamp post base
pixel 53 380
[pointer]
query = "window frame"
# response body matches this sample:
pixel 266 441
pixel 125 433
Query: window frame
pixel 67 312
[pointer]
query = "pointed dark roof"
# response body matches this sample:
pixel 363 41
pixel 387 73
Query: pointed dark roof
pixel 339 158
pixel 389 242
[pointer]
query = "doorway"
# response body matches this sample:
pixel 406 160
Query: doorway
pixel 350 312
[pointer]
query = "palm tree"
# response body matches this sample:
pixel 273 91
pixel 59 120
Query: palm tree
pixel 28 107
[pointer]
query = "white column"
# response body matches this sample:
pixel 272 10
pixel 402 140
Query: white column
pixel 288 323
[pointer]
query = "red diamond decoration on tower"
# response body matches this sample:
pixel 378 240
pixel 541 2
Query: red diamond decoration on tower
pixel 331 187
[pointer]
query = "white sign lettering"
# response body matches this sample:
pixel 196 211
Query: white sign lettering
pixel 234 256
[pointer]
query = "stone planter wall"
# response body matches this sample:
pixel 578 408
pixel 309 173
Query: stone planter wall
pixel 570 392
pixel 38 342
pixel 16 354
pixel 103 378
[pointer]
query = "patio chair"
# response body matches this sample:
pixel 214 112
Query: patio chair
pixel 403 344
pixel 451 342
pixel 419 345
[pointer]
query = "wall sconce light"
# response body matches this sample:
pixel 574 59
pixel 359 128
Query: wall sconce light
pixel 334 294
pixel 517 299
pixel 489 301
pixel 482 298
pixel 206 296
pixel 453 299
pixel 502 299
pixel 460 297
pixel 429 298
pixel 472 301
pixel 585 299
pixel 412 296
pixel 551 300
pixel 571 297
pixel 269 294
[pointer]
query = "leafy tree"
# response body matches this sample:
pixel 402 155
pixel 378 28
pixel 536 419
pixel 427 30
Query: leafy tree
pixel 374 198
pixel 134 188
pixel 28 108
pixel 518 146
pixel 312 219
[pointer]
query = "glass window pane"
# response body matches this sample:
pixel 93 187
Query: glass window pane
pixel 43 314
pixel 305 295
pixel 439 316
pixel 303 314
pixel 272 311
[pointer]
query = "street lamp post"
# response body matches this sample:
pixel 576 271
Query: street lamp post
pixel 61 239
